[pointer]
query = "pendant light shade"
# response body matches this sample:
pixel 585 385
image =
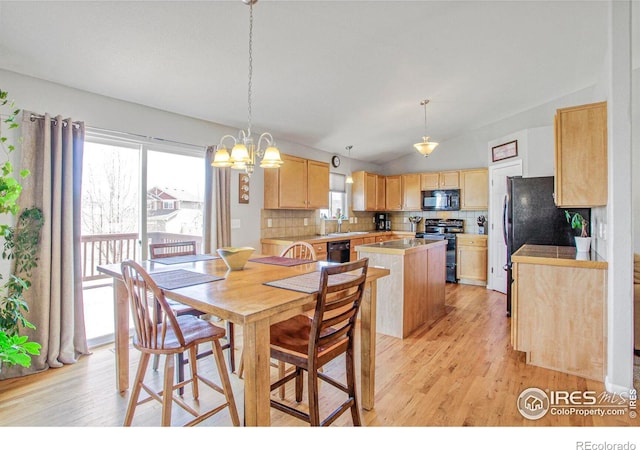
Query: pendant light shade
pixel 425 147
pixel 349 179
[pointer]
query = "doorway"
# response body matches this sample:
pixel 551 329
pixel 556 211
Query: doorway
pixel 497 247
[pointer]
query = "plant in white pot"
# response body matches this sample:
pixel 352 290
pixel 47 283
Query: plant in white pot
pixel 583 242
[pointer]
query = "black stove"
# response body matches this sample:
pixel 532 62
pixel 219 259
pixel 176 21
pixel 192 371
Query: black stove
pixel 440 229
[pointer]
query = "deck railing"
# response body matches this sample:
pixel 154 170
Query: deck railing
pixel 100 249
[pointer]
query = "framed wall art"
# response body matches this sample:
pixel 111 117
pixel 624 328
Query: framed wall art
pixel 504 151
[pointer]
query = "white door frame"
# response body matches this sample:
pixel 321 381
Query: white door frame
pixel 496 240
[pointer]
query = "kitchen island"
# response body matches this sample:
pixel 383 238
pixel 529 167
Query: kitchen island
pixel 558 309
pixel 414 293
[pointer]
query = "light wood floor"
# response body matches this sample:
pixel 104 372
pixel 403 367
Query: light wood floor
pixel 461 371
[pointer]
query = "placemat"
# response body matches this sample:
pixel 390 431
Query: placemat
pixel 174 279
pixel 183 259
pixel 281 261
pixel 308 282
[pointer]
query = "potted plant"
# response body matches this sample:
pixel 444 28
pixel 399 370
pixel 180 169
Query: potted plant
pixel 20 245
pixel 577 222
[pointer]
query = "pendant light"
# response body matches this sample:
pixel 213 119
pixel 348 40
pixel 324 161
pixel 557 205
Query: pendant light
pixel 425 147
pixel 349 179
pixel 244 150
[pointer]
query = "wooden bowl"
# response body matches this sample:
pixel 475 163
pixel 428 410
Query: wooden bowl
pixel 235 257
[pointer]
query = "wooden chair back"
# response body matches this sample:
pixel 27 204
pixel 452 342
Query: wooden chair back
pixel 336 310
pixel 301 250
pixel 154 320
pixel 167 249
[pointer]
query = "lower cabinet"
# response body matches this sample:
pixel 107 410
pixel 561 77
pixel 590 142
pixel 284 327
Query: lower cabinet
pixel 471 258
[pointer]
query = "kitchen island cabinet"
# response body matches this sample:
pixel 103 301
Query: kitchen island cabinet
pixel 558 309
pixel 414 293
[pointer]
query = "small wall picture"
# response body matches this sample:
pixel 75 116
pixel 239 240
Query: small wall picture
pixel 504 151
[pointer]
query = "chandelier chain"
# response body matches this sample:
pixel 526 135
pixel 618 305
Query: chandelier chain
pixel 250 67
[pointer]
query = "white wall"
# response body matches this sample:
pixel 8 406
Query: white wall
pixel 470 150
pixel 111 114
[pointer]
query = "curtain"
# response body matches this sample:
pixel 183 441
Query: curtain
pixel 52 151
pixel 217 180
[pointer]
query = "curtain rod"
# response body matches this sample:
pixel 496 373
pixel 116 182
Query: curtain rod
pixel 33 117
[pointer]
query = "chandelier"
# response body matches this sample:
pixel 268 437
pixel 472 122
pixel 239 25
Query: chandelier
pixel 425 147
pixel 244 149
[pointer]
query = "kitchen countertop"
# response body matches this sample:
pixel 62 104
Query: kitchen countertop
pixel 401 246
pixel 553 255
pixel 331 237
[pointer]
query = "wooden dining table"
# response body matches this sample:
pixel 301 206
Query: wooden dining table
pixel 242 298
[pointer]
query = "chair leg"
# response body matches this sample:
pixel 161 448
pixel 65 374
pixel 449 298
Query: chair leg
pixel 156 362
pixel 351 387
pixel 281 374
pixel 299 384
pixel 314 408
pixel 226 384
pixel 193 363
pixel 241 365
pixel 232 350
pixel 180 370
pixel 167 393
pixel 137 386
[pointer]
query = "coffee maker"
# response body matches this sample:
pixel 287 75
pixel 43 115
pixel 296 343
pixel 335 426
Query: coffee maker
pixel 383 221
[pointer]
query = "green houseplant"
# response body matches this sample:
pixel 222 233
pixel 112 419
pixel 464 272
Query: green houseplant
pixel 578 222
pixel 20 246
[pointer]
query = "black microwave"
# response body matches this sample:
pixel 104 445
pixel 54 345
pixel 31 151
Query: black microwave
pixel 441 200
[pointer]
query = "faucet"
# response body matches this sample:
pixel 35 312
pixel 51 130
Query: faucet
pixel 339 224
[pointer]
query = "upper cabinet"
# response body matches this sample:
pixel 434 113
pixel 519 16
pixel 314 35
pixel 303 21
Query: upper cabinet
pixel 364 191
pixel 298 184
pixel 581 156
pixel 381 194
pixel 440 180
pixel 411 197
pixel 393 193
pixel 474 189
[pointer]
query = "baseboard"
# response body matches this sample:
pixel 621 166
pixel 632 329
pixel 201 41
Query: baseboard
pixel 616 388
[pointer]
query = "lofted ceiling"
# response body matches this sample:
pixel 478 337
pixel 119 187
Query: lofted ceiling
pixel 327 74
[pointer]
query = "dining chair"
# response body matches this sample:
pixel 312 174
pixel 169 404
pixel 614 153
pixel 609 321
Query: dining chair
pixel 159 331
pixel 301 250
pixel 185 248
pixel 310 343
pixel 167 249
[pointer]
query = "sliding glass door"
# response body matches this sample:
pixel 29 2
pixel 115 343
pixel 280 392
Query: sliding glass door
pixel 133 193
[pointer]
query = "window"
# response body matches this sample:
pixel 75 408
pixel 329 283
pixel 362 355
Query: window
pixel 337 197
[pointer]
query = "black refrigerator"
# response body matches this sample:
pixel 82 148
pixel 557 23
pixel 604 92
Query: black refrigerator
pixel 530 216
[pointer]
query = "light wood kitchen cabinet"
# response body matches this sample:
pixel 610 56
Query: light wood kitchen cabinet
pixel 353 254
pixel 320 249
pixel 474 189
pixel 298 184
pixel 411 197
pixel 449 179
pixel 363 191
pixel 581 156
pixel 381 185
pixel 471 263
pixel 558 310
pixel 393 193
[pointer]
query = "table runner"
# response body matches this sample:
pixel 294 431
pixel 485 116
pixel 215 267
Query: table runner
pixel 174 279
pixel 308 282
pixel 183 259
pixel 281 261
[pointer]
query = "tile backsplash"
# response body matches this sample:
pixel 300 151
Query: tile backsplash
pixel 297 223
pixel 400 219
